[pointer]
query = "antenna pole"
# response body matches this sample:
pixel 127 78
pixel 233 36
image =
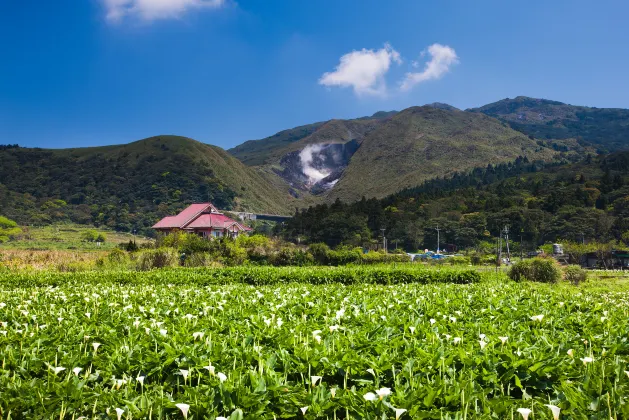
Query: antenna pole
pixel 438 239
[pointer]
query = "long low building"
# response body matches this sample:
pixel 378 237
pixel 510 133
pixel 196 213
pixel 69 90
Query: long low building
pixel 203 219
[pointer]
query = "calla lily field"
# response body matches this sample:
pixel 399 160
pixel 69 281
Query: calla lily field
pixel 129 348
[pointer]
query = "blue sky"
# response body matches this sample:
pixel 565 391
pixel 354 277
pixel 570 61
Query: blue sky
pixel 93 72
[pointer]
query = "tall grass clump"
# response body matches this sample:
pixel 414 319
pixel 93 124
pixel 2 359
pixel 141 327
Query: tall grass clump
pixel 157 258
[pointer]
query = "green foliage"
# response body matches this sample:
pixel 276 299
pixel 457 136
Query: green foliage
pixel 575 274
pixel 200 277
pixel 291 257
pixel 542 270
pixel 8 229
pixel 157 258
pixel 117 257
pixel 320 253
pixel 90 236
pixel 150 341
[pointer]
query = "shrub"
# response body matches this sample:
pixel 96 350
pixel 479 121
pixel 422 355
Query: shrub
pixel 157 258
pixel 291 256
pixel 458 261
pixel 201 260
pixel 320 253
pixel 117 257
pixel 575 274
pixel 476 259
pixel 543 270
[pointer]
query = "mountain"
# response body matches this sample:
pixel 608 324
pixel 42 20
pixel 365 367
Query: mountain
pixel 605 128
pixel 440 105
pixel 270 149
pixel 425 142
pixel 308 159
pixel 379 155
pixel 129 186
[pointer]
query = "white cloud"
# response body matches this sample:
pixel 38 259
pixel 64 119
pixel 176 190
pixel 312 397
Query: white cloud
pixel 442 58
pixel 155 9
pixel 363 70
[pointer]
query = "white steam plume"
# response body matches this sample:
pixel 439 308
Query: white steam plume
pixel 306 155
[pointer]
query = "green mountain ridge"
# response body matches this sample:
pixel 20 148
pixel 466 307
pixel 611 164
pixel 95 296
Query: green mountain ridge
pixel 605 128
pixel 420 143
pixel 129 186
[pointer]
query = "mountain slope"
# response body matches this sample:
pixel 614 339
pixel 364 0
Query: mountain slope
pixel 308 159
pixel 540 203
pixel 425 142
pixel 607 128
pixel 129 186
pixel 271 149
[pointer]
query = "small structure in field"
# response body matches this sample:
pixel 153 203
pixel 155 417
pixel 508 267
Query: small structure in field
pixel 204 220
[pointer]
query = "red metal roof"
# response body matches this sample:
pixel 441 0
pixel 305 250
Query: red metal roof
pixel 186 216
pixel 207 221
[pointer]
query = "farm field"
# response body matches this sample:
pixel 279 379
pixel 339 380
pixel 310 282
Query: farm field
pixel 138 345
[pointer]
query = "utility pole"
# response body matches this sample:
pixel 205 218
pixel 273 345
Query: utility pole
pixel 438 238
pixel 384 241
pixel 521 249
pixel 506 231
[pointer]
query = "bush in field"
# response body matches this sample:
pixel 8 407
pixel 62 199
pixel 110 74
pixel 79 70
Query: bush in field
pixel 458 261
pixel 253 241
pixel 93 236
pixel 543 270
pixel 230 253
pixel 157 258
pixel 320 253
pixel 291 257
pixel 117 257
pixel 575 274
pixel 476 259
pixel 201 260
pixel 8 229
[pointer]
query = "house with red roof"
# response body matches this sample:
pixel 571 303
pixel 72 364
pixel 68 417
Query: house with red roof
pixel 203 219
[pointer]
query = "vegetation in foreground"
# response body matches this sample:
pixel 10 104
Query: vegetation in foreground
pixel 142 350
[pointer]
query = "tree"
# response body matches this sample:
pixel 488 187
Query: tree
pixel 8 229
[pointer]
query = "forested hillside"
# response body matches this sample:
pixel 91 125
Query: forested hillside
pixel 606 128
pixel 129 186
pixel 588 200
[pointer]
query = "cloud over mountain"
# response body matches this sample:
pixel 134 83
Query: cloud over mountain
pixel 365 70
pixel 442 58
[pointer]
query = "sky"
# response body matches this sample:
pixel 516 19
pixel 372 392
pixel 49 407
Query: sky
pixel 78 73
